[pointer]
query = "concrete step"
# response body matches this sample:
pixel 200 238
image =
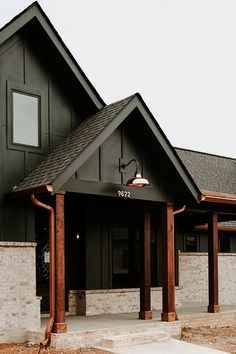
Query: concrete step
pixel 123 340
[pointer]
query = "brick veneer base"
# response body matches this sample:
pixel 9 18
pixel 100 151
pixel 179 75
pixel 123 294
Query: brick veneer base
pixel 193 277
pixel 109 301
pixel 19 306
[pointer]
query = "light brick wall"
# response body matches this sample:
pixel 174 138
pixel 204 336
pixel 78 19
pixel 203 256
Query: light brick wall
pixel 19 306
pixel 227 279
pixel 95 302
pixel 193 277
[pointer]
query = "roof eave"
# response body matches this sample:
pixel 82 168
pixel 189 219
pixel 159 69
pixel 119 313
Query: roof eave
pixel 215 197
pixel 47 188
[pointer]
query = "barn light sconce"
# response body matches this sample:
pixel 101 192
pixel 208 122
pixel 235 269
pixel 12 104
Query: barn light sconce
pixel 77 237
pixel 137 180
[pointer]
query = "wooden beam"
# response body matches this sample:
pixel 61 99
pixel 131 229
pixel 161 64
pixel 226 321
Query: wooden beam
pixel 145 268
pixel 220 228
pixel 60 325
pixel 168 265
pixel 213 263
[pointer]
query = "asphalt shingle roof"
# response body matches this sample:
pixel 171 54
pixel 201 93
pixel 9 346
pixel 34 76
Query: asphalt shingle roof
pixel 59 159
pixel 210 172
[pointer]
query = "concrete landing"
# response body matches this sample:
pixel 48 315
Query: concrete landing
pixel 171 346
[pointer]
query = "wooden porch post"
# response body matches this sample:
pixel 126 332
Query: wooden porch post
pixel 213 263
pixel 168 265
pixel 60 326
pixel 145 269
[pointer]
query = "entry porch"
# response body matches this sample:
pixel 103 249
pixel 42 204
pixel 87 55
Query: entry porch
pixel 109 240
pixel 87 331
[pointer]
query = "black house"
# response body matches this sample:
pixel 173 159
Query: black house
pixel 102 181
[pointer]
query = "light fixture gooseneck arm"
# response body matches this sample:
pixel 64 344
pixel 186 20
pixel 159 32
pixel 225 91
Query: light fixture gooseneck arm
pixel 137 165
pixel 137 180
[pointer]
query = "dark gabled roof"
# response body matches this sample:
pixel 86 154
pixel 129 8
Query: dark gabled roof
pixel 34 11
pixel 65 160
pixel 77 141
pixel 210 172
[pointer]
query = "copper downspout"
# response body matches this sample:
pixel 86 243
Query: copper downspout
pixel 48 329
pixel 178 211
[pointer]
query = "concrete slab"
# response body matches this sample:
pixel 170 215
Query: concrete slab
pixel 91 330
pixel 83 323
pixel 171 346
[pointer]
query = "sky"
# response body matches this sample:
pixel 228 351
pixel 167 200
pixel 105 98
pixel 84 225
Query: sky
pixel 180 55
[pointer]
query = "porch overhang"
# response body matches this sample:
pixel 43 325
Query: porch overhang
pixel 62 163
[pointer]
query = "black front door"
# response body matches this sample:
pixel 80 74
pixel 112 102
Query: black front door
pixel 125 256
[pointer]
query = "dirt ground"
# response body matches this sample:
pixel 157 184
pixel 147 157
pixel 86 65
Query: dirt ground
pixel 223 338
pixel 35 349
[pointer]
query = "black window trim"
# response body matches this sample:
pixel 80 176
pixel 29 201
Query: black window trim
pixel 30 91
pixel 197 243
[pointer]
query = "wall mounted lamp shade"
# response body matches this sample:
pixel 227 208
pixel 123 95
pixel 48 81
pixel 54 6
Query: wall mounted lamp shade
pixel 137 180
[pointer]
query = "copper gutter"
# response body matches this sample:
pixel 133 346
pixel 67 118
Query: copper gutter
pixel 50 323
pixel 15 193
pixel 209 196
pixel 220 228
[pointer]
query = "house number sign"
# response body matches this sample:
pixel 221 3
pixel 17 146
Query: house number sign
pixel 123 194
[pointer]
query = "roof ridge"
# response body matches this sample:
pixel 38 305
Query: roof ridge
pixel 35 3
pixel 59 43
pixel 128 98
